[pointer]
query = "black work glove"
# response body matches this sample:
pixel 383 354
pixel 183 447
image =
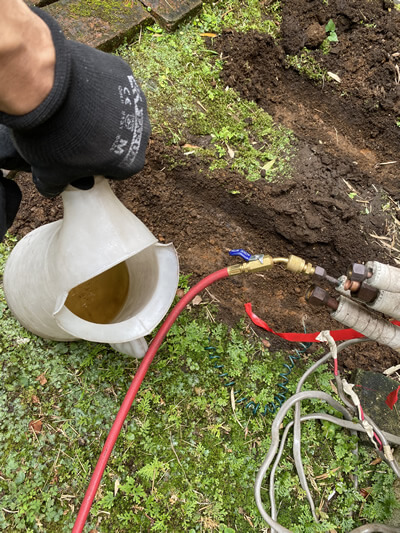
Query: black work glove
pixel 10 198
pixel 10 193
pixel 93 122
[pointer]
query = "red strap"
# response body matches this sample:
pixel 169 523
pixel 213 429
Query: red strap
pixel 337 334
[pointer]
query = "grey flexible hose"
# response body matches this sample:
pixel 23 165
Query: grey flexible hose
pixel 275 442
pixel 297 428
pixel 394 439
pixel 376 528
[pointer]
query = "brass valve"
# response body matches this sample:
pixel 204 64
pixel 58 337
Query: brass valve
pixel 263 263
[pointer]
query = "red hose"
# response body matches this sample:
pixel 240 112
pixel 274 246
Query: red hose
pixel 132 391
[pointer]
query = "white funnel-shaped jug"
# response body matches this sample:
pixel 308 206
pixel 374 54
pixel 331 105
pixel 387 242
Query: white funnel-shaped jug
pixel 98 274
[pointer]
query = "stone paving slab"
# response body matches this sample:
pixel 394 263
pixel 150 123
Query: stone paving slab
pixel 102 24
pixel 105 24
pixel 170 13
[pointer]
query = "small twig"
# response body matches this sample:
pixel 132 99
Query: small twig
pixel 226 12
pixel 397 75
pixel 201 105
pixel 177 458
pixel 385 163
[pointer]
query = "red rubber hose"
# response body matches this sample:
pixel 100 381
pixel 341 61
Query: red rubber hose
pixel 131 394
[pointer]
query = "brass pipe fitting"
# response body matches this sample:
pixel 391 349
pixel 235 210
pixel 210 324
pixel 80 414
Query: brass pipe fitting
pixel 278 260
pixel 299 265
pixel 266 263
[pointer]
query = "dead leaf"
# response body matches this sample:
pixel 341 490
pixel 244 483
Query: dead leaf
pixel 42 379
pixel 333 387
pixel 36 426
pixel 248 520
pixel 180 293
pixel 230 152
pixel 197 300
pixel 269 165
pixel 327 474
pixel 266 343
pixel 116 486
pixel 334 77
pixel 173 499
pixel 208 34
pixel 376 461
pixel 35 399
pixel 365 492
pixel 233 404
pixel 191 146
pixel 391 370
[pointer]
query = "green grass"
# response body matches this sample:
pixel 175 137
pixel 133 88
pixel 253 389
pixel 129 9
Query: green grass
pixel 180 76
pixel 185 460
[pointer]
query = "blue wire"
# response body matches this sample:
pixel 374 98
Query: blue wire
pixel 279 397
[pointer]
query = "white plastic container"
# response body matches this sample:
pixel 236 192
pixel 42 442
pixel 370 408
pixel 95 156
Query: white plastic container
pixel 98 274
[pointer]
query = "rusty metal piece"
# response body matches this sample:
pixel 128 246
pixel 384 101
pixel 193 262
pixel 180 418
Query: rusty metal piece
pixel 317 296
pixel 357 272
pixel 366 293
pixel 320 273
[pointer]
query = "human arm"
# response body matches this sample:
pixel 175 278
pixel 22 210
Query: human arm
pixel 93 120
pixel 27 58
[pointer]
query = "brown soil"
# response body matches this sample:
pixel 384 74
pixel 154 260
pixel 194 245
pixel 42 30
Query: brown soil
pixel 345 133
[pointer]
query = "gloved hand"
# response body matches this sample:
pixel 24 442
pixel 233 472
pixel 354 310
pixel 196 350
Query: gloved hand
pixel 10 198
pixel 94 121
pixel 10 193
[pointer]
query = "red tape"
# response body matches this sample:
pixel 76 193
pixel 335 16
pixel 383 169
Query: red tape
pixel 337 334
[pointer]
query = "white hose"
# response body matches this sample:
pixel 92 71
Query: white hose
pixel 387 303
pixel 384 277
pixel 364 321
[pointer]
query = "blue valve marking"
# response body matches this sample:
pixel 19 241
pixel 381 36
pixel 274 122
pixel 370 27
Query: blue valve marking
pixel 241 253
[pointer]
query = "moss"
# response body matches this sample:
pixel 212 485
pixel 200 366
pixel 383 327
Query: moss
pixel 180 76
pixel 109 10
pixel 306 65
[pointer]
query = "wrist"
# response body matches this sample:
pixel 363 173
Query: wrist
pixel 50 76
pixel 27 61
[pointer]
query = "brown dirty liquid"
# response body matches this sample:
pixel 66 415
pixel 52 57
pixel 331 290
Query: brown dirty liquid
pixel 101 298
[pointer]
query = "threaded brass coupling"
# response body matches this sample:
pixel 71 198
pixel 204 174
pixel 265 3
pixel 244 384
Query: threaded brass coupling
pixel 266 262
pixel 299 265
